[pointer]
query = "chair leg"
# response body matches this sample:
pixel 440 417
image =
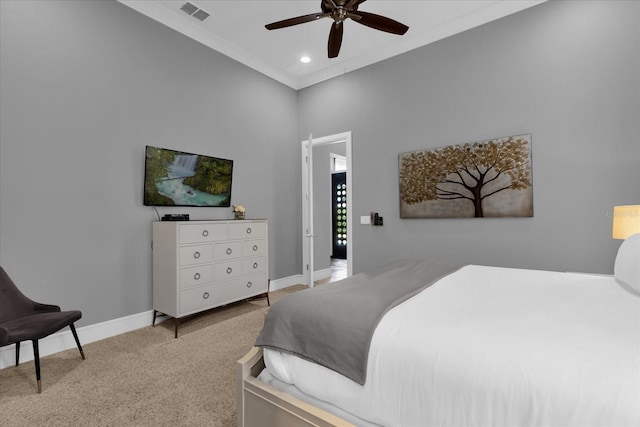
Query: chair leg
pixel 17 353
pixel 75 335
pixel 36 360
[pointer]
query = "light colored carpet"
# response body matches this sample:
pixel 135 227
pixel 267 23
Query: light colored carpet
pixel 141 378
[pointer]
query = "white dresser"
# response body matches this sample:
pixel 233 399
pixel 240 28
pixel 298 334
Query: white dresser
pixel 198 265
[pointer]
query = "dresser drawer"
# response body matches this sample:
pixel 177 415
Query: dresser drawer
pixel 193 276
pixel 256 283
pixel 198 299
pixel 227 250
pixel 247 230
pixel 248 286
pixel 244 287
pixel 254 265
pixel 199 233
pixel 254 247
pixel 227 270
pixel 197 254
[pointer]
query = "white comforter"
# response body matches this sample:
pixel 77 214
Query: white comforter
pixel 490 346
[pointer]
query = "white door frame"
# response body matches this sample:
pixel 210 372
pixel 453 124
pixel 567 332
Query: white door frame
pixel 307 202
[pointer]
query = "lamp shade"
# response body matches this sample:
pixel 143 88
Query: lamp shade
pixel 626 221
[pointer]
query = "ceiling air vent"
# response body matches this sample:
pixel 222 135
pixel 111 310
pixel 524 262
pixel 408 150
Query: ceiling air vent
pixel 201 15
pixel 188 8
pixel 192 10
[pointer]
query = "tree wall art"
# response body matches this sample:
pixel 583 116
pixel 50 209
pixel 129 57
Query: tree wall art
pixel 489 178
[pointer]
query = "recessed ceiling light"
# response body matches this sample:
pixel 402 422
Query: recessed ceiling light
pixel 305 59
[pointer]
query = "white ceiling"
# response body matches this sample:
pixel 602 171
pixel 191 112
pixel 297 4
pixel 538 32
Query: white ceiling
pixel 236 29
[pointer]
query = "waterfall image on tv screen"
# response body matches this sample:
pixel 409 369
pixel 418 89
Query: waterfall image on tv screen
pixel 176 178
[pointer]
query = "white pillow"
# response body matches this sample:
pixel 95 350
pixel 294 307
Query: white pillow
pixel 627 267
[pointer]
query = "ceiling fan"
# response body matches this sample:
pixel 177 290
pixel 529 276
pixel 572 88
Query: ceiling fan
pixel 339 11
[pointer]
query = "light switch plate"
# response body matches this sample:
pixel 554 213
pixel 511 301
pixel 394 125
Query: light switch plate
pixel 365 220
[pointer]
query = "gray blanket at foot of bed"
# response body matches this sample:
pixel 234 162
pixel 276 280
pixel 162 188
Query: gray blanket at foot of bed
pixel 332 325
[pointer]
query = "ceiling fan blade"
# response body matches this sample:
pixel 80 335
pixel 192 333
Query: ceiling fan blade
pixel 379 22
pixel 335 39
pixel 295 21
pixel 351 4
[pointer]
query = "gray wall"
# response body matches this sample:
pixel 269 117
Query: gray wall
pixel 85 85
pixel 567 72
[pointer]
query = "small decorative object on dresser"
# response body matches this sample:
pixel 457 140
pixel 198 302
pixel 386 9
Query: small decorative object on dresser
pixel 198 265
pixel 239 211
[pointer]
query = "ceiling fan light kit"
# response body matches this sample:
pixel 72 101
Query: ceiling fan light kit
pixel 339 11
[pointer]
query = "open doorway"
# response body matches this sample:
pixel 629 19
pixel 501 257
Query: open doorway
pixel 338 202
pixel 338 215
pixel 317 210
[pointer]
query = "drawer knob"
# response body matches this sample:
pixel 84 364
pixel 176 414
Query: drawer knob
pixel 255 248
pixel 248 230
pixel 205 233
pixel 196 254
pixel 255 265
pixel 205 295
pixel 229 270
pixel 196 276
pixel 229 251
pixel 249 284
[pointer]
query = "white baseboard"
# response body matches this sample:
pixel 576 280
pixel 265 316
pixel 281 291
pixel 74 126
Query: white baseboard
pixel 298 279
pixel 63 340
pixel 322 274
pixel 285 282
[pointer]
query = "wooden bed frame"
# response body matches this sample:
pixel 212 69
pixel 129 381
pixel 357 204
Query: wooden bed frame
pixel 261 405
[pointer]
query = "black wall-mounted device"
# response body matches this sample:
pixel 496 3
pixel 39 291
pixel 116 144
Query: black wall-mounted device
pixel 175 217
pixel 375 219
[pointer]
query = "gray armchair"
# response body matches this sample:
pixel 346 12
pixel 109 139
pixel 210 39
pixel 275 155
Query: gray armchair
pixel 22 319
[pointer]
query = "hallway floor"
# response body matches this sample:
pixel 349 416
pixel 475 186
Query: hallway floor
pixel 338 271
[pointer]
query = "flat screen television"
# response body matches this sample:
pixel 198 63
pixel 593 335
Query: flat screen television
pixel 176 178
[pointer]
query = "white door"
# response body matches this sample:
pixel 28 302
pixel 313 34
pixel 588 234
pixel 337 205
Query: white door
pixel 307 202
pixel 307 211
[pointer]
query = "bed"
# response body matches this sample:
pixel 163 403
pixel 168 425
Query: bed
pixel 473 346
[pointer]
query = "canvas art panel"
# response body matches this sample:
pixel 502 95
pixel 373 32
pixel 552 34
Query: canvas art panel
pixel 490 178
